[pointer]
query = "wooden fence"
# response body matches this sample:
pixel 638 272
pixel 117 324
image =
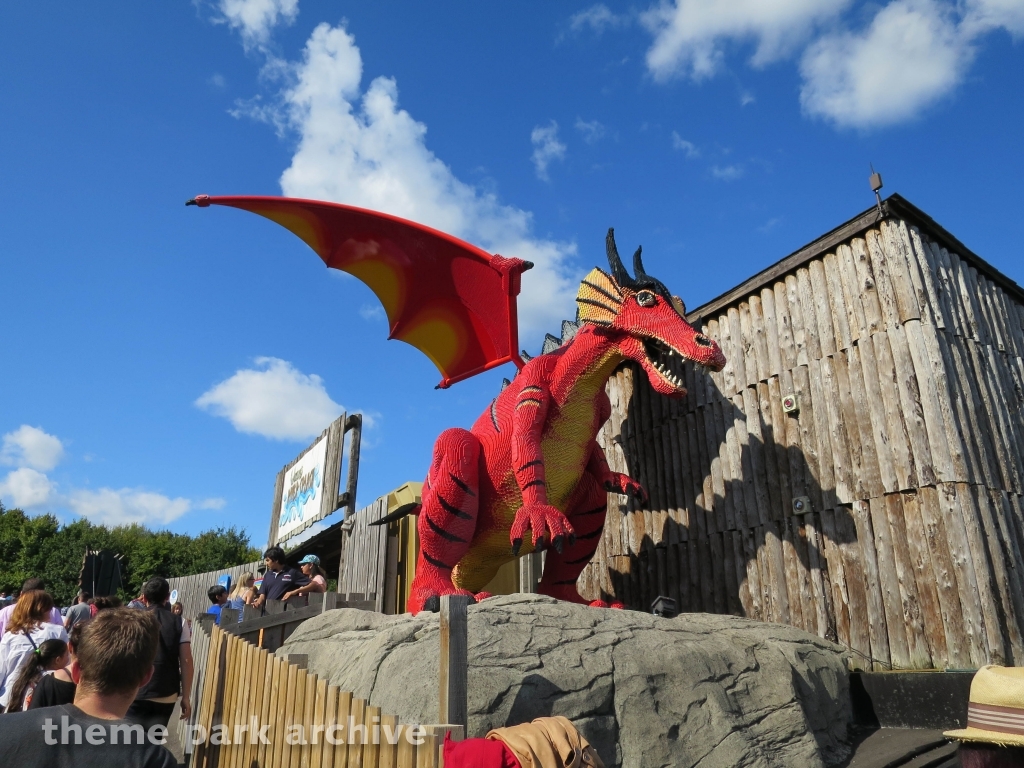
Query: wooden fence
pixel 885 511
pixel 270 627
pixel 243 686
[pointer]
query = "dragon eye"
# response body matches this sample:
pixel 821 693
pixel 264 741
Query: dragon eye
pixel 646 299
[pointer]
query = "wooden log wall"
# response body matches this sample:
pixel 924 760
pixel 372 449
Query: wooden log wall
pixel 887 512
pixel 364 557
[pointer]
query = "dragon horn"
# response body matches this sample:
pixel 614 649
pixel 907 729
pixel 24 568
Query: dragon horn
pixel 618 270
pixel 638 266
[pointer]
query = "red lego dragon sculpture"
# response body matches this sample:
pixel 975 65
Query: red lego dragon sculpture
pixel 530 474
pixel 531 463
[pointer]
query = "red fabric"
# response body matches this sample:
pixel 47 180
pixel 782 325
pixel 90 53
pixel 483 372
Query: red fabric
pixel 478 753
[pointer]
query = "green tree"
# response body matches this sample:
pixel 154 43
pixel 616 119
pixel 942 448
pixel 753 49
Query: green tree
pixel 41 546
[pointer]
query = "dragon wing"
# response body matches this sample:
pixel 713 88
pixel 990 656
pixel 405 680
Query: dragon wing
pixel 449 299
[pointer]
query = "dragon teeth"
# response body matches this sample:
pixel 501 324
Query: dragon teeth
pixel 668 374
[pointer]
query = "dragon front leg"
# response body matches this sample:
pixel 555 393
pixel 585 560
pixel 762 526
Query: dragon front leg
pixel 547 523
pixel 613 482
pixel 447 518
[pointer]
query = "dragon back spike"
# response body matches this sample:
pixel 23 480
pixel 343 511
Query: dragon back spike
pixel 619 272
pixel 599 299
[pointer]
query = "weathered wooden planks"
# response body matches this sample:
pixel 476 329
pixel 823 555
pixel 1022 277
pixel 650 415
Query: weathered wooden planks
pixel 311 724
pixel 905 360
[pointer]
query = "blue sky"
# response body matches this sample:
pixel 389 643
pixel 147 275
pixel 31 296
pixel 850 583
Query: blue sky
pixel 161 363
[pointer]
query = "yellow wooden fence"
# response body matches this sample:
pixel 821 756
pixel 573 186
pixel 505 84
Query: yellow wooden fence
pixel 306 722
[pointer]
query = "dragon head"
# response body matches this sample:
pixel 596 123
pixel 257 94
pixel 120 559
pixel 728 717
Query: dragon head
pixel 646 321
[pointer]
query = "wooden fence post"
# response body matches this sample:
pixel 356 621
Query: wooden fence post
pixel 353 425
pixel 453 689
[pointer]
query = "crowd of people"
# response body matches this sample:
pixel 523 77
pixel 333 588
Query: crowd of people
pixel 97 665
pixel 280 582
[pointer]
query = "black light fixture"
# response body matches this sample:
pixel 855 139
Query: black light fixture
pixel 664 607
pixel 876 184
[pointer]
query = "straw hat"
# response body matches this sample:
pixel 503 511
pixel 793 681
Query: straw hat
pixel 995 712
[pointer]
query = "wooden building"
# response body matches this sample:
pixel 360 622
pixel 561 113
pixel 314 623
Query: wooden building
pixel 856 469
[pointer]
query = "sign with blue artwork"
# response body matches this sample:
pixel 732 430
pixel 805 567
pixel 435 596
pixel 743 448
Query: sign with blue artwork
pixel 303 491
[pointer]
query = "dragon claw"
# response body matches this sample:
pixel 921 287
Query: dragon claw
pixel 516 544
pixel 625 486
pixel 432 604
pixel 547 523
pixel 558 543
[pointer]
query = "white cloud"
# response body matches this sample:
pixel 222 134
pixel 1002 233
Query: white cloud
pixel 31 447
pixel 682 145
pixel 690 36
pixel 126 506
pixel 596 18
pixel 358 147
pixel 592 131
pixel 26 488
pixel 985 15
pixel 911 55
pixel 727 172
pixel 371 312
pixel 255 19
pixel 546 148
pixel 274 399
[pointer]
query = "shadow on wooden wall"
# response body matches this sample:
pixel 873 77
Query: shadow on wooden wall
pixel 736 550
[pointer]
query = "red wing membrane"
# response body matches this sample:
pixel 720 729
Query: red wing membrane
pixel 449 299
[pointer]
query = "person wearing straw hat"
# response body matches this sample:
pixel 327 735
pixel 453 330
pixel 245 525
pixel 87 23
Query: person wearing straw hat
pixel 994 736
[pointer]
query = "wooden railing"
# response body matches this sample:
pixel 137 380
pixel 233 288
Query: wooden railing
pixel 270 626
pixel 241 688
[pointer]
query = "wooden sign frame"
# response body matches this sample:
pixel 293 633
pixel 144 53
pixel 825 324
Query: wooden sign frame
pixel 331 499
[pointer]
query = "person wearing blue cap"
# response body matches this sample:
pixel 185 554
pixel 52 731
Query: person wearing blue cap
pixel 311 569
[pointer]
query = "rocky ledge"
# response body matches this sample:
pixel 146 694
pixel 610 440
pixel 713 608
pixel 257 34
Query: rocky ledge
pixel 697 690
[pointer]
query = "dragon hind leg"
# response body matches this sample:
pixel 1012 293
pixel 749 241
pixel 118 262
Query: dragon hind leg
pixel 586 513
pixel 447 518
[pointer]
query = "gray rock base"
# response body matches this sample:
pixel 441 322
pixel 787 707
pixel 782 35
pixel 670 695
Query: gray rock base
pixel 697 690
